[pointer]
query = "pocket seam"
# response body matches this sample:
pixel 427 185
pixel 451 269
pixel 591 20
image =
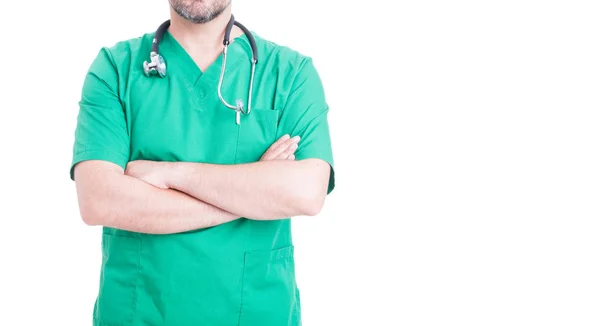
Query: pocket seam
pixel 264 112
pixel 271 255
pixel 268 256
pixel 242 291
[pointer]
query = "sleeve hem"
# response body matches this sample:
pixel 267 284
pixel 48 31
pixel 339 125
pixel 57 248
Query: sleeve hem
pixel 102 155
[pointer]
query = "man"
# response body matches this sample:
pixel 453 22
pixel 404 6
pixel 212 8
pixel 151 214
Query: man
pixel 195 207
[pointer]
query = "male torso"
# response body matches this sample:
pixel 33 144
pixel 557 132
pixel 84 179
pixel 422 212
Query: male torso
pixel 238 273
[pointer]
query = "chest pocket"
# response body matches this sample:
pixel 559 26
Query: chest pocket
pixel 257 131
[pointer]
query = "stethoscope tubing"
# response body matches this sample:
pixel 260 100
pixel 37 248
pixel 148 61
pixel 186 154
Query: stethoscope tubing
pixel 156 58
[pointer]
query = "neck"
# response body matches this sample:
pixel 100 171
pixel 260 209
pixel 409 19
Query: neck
pixel 201 37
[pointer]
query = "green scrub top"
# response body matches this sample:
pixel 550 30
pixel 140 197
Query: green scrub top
pixel 239 273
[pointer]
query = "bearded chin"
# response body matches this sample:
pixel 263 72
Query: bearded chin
pixel 204 16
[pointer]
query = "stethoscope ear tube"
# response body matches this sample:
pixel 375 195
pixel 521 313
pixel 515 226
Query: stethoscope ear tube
pixel 160 32
pixel 157 64
pixel 250 39
pixel 228 30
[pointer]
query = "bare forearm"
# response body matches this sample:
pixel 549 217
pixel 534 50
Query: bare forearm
pixel 123 202
pixel 262 190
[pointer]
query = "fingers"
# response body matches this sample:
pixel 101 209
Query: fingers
pixel 275 149
pixel 287 151
pixel 292 157
pixel 282 148
pixel 280 141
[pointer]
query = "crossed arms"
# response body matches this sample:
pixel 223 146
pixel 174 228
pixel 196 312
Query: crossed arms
pixel 172 197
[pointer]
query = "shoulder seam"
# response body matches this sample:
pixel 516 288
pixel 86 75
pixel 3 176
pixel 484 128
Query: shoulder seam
pixel 117 72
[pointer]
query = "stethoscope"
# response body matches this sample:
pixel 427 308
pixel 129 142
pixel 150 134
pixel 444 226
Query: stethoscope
pixel 157 64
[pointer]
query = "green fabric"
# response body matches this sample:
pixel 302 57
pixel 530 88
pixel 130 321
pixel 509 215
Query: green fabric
pixel 238 273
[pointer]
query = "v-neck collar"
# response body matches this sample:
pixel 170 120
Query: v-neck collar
pixel 180 62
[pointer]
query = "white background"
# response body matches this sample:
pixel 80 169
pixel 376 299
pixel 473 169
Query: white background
pixel 466 142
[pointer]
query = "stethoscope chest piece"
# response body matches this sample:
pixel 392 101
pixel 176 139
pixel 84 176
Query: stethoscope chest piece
pixel 156 65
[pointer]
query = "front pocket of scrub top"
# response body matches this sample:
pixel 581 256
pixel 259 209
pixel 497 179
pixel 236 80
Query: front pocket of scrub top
pixel 257 131
pixel 269 294
pixel 116 300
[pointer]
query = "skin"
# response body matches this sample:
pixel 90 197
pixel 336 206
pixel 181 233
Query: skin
pixel 199 12
pixel 268 189
pixel 171 197
pixel 203 42
pixel 110 198
pixel 140 199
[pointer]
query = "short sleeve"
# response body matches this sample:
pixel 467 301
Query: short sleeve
pixel 101 131
pixel 305 115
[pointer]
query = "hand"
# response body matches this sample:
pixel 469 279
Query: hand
pixel 151 172
pixel 283 149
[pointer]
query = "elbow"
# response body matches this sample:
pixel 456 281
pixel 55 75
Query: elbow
pixel 313 209
pixel 306 191
pixel 311 198
pixel 312 203
pixel 311 195
pixel 91 215
pixel 89 218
